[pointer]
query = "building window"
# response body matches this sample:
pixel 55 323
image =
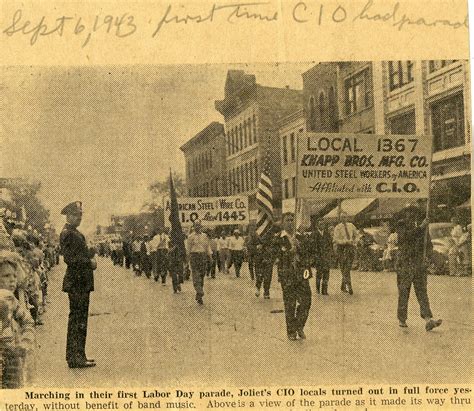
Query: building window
pixel 400 73
pixel 249 125
pixel 403 124
pixel 447 122
pixel 257 177
pixel 251 177
pixel 210 158
pixel 292 147
pixel 439 64
pixel 312 114
pixel 358 92
pixel 254 125
pixel 247 186
pixel 321 109
pixel 285 151
pixel 293 186
pixel 245 134
pixel 287 194
pixel 241 138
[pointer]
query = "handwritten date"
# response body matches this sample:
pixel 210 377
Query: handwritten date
pixel 119 26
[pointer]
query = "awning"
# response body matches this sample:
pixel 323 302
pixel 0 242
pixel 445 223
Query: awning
pixel 352 207
pixel 386 208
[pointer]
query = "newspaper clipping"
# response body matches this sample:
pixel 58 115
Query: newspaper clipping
pixel 221 205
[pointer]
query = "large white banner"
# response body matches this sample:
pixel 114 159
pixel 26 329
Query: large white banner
pixel 344 165
pixel 212 211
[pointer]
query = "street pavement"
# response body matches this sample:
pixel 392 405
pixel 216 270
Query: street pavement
pixel 141 334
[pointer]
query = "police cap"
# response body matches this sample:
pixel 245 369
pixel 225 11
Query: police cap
pixel 72 208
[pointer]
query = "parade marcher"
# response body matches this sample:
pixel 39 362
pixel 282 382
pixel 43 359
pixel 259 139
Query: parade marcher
pixel 213 260
pixel 136 247
pixel 345 239
pixel 127 253
pixel 294 272
pixel 251 246
pixel 145 261
pixel 236 247
pixel 162 255
pixel 264 258
pixel 223 249
pixel 78 283
pixel 411 266
pixel 199 253
pixel 322 243
pixel 176 265
pixel 364 257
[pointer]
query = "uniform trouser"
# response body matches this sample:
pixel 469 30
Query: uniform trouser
pixel 237 258
pixel 297 300
pixel 198 269
pixel 322 274
pixel 146 264
pixel 252 265
pixel 346 257
pixel 417 275
pixel 224 257
pixel 154 263
pixel 136 262
pixel 263 274
pixel 77 327
pixel 128 260
pixel 162 264
pixel 11 369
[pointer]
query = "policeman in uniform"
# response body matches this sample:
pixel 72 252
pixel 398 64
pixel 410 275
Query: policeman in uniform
pixel 78 283
pixel 294 272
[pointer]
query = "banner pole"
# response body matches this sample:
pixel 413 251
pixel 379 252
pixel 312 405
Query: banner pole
pixel 428 204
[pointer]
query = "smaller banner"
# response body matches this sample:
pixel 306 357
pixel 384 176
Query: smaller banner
pixel 363 165
pixel 212 211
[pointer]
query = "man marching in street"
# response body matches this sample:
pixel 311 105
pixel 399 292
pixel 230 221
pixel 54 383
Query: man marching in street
pixel 199 253
pixel 294 272
pixel 78 284
pixel 413 238
pixel 345 238
pixel 263 261
pixel 322 243
pixel 236 247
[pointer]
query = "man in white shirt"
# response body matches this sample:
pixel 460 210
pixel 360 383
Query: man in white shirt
pixel 199 253
pixel 236 247
pixel 223 250
pixel 345 237
pixel 162 246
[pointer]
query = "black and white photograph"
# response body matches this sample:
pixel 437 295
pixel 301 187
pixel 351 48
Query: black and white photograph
pixel 236 225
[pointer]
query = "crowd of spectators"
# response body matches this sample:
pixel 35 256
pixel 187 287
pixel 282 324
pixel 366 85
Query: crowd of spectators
pixel 26 258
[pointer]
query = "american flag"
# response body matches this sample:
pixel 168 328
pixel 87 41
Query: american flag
pixel 264 200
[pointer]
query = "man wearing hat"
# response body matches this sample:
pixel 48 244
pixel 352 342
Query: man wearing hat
pixel 414 246
pixel 78 283
pixel 199 253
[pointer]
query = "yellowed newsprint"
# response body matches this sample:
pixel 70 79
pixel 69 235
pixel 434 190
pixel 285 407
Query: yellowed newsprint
pixel 235 205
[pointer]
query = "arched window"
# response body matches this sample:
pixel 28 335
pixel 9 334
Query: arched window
pixel 312 114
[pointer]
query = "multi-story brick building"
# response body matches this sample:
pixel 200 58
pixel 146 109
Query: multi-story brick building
pixel 251 113
pixel 402 97
pixel 205 155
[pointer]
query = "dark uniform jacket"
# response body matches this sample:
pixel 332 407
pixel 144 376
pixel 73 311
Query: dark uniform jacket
pixel 79 276
pixel 264 249
pixel 323 248
pixel 411 243
pixel 293 258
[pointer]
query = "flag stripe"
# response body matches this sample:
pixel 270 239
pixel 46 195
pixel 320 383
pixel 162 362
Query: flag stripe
pixel 264 199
